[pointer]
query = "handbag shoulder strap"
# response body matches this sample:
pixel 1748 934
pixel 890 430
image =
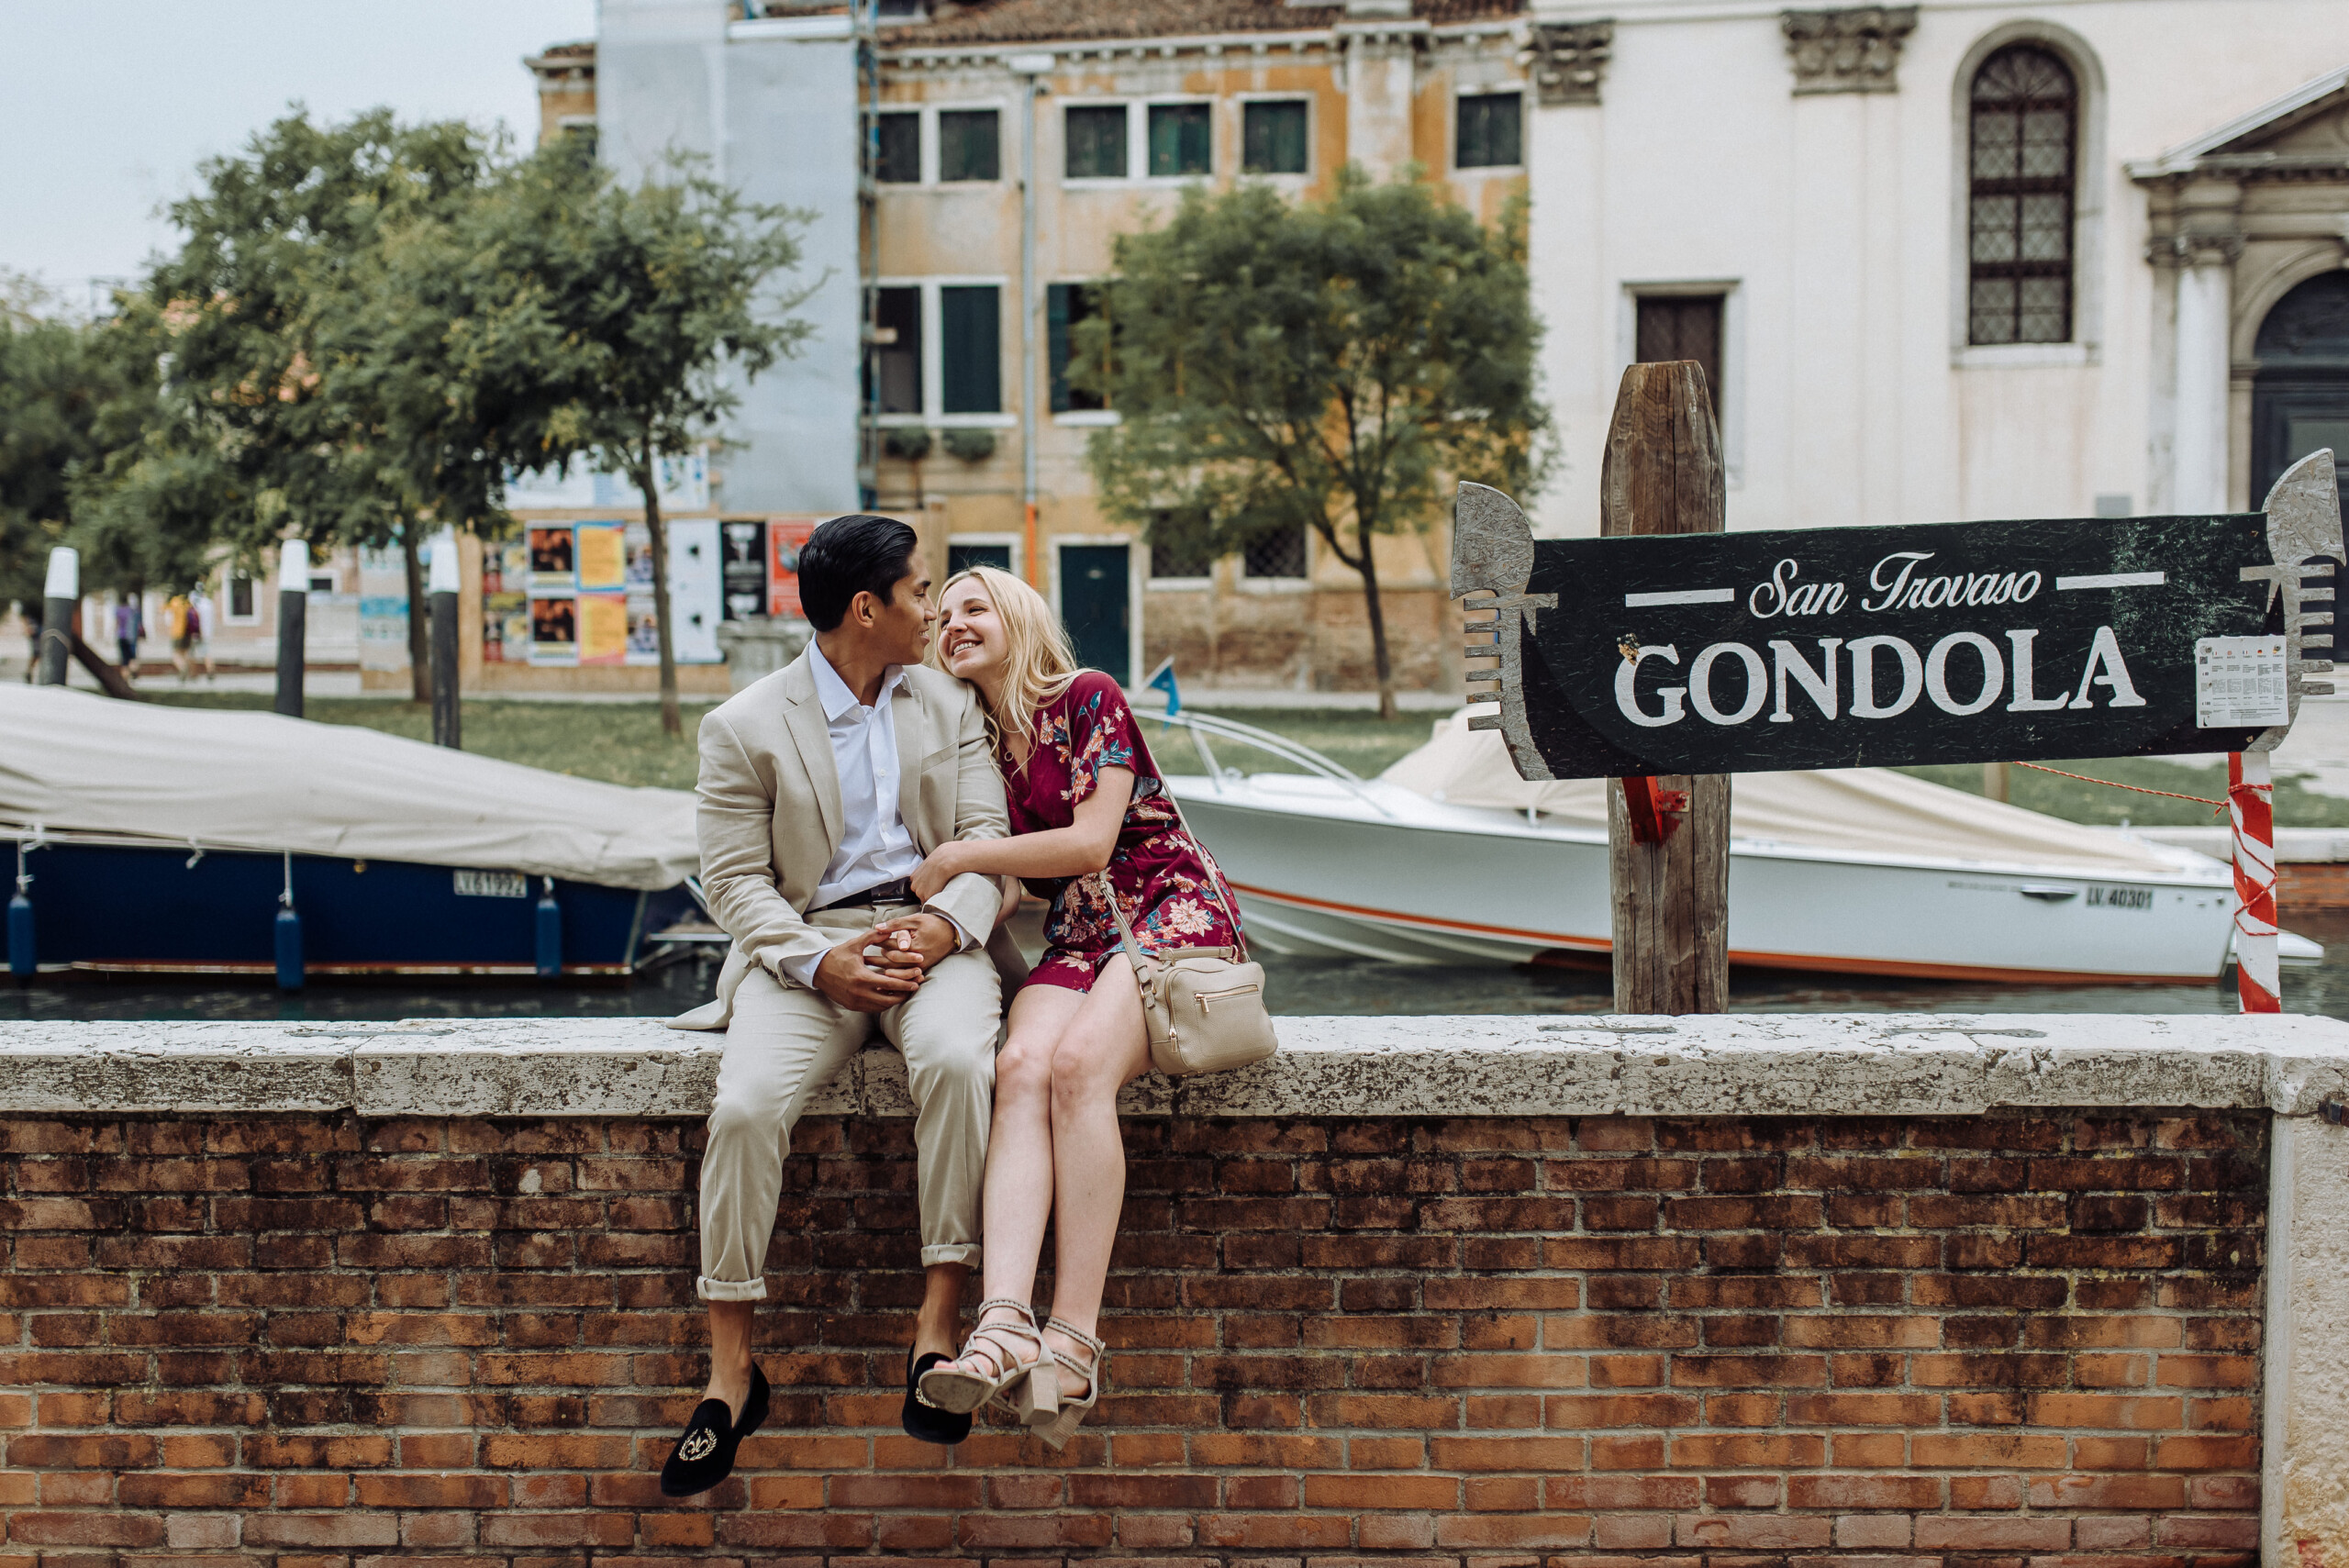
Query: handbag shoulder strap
pixel 1214 873
pixel 1125 931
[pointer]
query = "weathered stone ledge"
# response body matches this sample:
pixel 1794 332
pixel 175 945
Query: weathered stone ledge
pixel 1739 1064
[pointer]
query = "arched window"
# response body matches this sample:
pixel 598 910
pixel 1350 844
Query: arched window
pixel 2024 144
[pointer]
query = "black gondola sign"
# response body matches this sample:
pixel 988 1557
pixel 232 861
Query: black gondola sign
pixel 1948 643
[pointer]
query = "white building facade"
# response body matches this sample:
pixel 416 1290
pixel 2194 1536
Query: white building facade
pixel 1950 261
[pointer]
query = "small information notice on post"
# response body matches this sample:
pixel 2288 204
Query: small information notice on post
pixel 2239 681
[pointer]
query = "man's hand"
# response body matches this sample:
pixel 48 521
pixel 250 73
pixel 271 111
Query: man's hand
pixel 942 865
pixel 916 939
pixel 846 976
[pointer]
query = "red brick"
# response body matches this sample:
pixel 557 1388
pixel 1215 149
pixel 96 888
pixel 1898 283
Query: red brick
pixel 1856 1493
pixel 1943 1532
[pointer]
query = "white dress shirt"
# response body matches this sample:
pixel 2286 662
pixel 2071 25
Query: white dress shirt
pixel 874 845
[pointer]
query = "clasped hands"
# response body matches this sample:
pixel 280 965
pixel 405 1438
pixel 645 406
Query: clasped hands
pixel 874 970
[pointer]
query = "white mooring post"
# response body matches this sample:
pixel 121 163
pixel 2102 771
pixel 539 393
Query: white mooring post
pixel 2251 802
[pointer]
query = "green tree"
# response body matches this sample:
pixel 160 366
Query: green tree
pixel 594 321
pixel 274 387
pixel 1325 365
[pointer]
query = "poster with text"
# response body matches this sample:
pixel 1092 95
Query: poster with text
pixel 639 558
pixel 744 569
pixel 603 627
pixel 785 535
pixel 603 557
pixel 643 630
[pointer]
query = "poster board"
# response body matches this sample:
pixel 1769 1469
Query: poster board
pixel 743 569
pixel 505 602
pixel 784 537
pixel 590 594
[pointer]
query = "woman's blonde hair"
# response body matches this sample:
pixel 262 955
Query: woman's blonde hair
pixel 1040 662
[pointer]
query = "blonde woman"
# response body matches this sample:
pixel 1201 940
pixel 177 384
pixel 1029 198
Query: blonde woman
pixel 1084 798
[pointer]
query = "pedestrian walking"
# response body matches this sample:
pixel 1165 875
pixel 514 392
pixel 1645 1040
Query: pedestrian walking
pixel 130 626
pixel 178 620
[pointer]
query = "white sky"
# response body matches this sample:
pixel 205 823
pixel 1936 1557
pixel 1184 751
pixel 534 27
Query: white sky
pixel 107 106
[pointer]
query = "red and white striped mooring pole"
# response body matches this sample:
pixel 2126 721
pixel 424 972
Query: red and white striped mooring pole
pixel 2251 802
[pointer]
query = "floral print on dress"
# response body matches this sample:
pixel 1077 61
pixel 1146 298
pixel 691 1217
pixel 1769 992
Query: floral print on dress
pixel 1166 883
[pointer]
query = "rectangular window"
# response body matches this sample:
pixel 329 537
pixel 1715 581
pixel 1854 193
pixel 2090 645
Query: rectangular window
pixel 1491 131
pixel 969 145
pixel 1066 304
pixel 970 336
pixel 1684 326
pixel 1097 141
pixel 897 156
pixel 893 366
pixel 963 557
pixel 1277 554
pixel 240 596
pixel 1272 138
pixel 1174 557
pixel 1180 140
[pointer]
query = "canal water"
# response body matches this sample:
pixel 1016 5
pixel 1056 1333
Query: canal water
pixel 1297 986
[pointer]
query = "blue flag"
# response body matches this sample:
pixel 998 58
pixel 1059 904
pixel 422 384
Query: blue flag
pixel 1162 680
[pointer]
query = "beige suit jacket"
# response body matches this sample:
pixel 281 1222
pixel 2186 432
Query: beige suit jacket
pixel 770 819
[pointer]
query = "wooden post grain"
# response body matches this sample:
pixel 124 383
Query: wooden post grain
pixel 1662 476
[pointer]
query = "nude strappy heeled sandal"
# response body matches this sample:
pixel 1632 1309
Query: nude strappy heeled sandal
pixel 1048 1415
pixel 953 1388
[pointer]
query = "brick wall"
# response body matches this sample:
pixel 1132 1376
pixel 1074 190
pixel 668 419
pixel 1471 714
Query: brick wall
pixel 1985 1341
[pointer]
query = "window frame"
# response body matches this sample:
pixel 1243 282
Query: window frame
pixel 229 577
pixel 2015 188
pixel 1069 417
pixel 922 139
pixel 1175 582
pixel 1248 584
pixel 936 166
pixel 1138 158
pixel 993 540
pixel 1239 138
pixel 1451 131
pixel 933 353
pixel 1136 155
pixel 2088 195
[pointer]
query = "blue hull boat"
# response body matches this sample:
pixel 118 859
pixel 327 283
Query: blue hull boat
pixel 128 908
pixel 149 839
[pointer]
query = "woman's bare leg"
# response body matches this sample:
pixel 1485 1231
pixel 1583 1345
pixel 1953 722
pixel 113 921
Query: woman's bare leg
pixel 1016 1198
pixel 1102 1048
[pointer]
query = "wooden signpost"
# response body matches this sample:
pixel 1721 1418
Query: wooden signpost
pixel 1667 654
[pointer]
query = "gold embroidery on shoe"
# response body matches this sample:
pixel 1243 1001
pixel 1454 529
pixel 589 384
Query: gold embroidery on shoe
pixel 698 1446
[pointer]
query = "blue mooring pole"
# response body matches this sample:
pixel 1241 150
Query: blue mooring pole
pixel 23 954
pixel 549 934
pixel 289 935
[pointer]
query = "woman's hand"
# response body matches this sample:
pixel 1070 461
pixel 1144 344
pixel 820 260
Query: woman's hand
pixel 942 866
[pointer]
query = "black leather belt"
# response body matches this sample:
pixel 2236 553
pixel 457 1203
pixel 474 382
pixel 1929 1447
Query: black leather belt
pixel 898 892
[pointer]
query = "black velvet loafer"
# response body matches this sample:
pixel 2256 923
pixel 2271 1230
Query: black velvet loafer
pixel 923 1419
pixel 705 1455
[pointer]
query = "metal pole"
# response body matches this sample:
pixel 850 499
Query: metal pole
pixel 446 716
pixel 293 606
pixel 1032 68
pixel 61 602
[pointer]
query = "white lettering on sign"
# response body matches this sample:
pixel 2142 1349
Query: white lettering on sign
pixel 1896 580
pixel 1928 674
pixel 2239 681
pixel 2111 579
pixel 1627 694
pixel 491 884
pixel 1777 596
pixel 1912 678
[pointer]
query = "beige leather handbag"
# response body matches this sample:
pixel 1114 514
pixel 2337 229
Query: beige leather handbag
pixel 1204 1008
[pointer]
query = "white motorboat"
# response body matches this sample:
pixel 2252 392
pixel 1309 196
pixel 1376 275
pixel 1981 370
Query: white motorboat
pixel 1450 857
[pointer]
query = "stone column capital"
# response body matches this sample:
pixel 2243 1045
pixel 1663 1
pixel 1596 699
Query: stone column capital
pixel 1854 49
pixel 1568 59
pixel 2194 249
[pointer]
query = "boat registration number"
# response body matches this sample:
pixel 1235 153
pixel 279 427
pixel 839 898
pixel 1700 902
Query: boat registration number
pixel 2120 897
pixel 491 884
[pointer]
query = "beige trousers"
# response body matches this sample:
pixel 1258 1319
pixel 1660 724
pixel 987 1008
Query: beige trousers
pixel 785 1043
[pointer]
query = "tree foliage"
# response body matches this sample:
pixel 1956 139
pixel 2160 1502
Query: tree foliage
pixel 589 321
pixel 1329 365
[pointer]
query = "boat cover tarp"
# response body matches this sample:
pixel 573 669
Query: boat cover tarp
pixel 260 781
pixel 1874 810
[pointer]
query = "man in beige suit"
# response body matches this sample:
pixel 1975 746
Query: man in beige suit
pixel 822 787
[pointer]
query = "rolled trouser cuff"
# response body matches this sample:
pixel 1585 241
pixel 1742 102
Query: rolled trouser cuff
pixel 711 1289
pixel 954 1253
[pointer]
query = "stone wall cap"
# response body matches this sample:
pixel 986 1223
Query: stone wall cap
pixel 1726 1065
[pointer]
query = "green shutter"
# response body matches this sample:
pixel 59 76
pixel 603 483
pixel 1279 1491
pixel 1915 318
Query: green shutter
pixel 1056 341
pixel 1272 137
pixel 969 145
pixel 1180 139
pixel 971 343
pixel 1096 137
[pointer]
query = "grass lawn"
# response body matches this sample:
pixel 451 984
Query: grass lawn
pixel 622 742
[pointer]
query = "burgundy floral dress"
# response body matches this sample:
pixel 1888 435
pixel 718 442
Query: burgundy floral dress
pixel 1170 888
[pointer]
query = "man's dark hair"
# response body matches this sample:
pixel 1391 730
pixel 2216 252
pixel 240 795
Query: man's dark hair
pixel 859 553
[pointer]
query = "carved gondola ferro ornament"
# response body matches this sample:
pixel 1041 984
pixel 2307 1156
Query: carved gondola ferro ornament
pixel 1849 647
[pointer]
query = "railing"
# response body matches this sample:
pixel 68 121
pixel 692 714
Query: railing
pixel 1201 725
